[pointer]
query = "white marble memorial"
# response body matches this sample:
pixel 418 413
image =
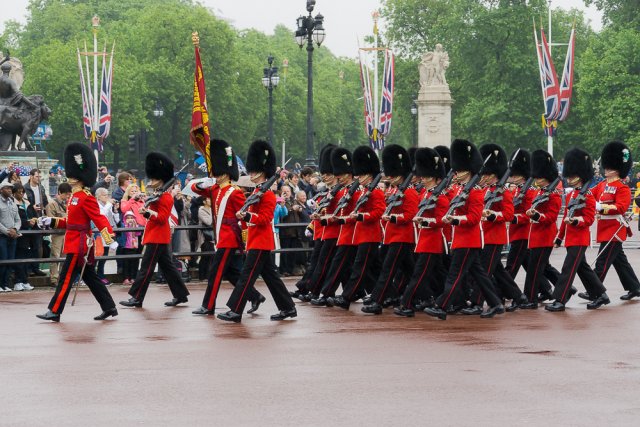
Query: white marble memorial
pixel 434 100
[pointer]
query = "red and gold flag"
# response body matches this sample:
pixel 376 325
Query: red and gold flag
pixel 200 134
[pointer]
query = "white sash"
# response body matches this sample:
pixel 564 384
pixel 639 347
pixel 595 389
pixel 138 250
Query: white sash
pixel 220 215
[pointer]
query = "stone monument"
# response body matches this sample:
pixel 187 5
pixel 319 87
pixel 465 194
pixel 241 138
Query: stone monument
pixel 434 100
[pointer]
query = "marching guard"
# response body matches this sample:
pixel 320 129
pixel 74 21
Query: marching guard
pixel 157 236
pixel 81 169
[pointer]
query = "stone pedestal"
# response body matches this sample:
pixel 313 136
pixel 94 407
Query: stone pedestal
pixel 434 116
pixel 33 159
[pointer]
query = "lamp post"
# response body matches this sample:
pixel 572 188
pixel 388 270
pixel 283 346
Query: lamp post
pixel 270 80
pixel 158 112
pixel 414 114
pixel 311 29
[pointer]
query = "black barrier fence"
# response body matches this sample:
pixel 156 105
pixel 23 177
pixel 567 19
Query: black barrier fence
pixel 133 256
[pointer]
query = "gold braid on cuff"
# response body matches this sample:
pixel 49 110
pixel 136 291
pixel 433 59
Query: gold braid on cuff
pixel 106 236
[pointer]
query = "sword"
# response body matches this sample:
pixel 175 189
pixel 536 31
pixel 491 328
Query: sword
pixel 86 258
pixel 623 223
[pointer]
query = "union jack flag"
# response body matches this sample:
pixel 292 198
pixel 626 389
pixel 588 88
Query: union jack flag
pixel 368 104
pixel 86 101
pixel 386 107
pixel 104 124
pixel 566 85
pixel 548 79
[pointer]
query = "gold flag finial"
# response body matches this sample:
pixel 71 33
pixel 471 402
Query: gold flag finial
pixel 195 39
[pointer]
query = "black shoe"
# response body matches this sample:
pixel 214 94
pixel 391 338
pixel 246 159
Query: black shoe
pixel 176 301
pixel 585 295
pixel 283 314
pixel 599 302
pixel 492 311
pixel 472 311
pixel 339 301
pixel 202 311
pixel 421 305
pixel 367 300
pixel 49 315
pixel 436 312
pixel 39 273
pixel 112 312
pixel 256 304
pixel 391 302
pixel 373 308
pixel 556 306
pixel 545 296
pixel 319 301
pixel 629 295
pixel 528 306
pixel 404 312
pixel 131 302
pixel 516 303
pixel 452 309
pixel 230 316
pixel 307 297
pixel 298 294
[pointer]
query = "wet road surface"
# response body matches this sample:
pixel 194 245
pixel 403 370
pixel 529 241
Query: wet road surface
pixel 163 366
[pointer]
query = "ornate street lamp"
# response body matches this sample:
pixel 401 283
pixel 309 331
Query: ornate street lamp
pixel 310 29
pixel 158 112
pixel 414 114
pixel 270 80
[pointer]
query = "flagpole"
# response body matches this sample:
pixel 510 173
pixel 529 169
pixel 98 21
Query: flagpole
pixel 550 136
pixel 376 112
pixel 96 98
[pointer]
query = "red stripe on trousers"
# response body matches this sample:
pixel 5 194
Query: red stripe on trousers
pixel 572 274
pixel 149 270
pixel 244 290
pixel 217 280
pixel 455 283
pixel 65 284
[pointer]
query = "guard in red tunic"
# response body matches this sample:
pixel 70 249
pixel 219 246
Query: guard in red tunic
pixel 612 202
pixel 82 208
pixel 431 244
pixel 340 268
pixel 399 237
pixel 466 246
pixel 227 200
pixel 157 237
pixel 367 231
pixel 261 165
pixel 579 214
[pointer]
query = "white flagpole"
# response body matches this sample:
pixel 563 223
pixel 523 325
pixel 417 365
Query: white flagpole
pixel 550 137
pixel 376 113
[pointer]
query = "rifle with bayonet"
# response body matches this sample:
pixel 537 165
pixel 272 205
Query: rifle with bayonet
pixel 255 197
pixel 518 199
pixel 157 193
pixel 579 201
pixel 543 196
pixel 324 203
pixel 462 197
pixel 369 189
pixel 494 196
pixel 396 198
pixel 429 203
pixel 347 196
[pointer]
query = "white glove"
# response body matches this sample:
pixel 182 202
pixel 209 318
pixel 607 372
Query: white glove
pixel 44 222
pixel 308 233
pixel 206 183
pixel 598 206
pixel 113 246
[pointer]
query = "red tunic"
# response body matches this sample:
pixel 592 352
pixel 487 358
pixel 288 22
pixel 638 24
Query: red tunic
pixel 331 230
pixel 345 236
pixel 82 208
pixel 519 227
pixel 495 232
pixel 157 229
pixel 468 234
pixel 543 231
pixel 400 228
pixel 578 235
pixel 318 228
pixel 259 221
pixel 367 228
pixel 431 238
pixel 228 235
pixel 619 195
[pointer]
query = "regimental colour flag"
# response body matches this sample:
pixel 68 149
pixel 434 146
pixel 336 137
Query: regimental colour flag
pixel 200 134
pixel 566 84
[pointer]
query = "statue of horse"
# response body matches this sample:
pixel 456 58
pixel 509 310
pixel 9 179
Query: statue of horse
pixel 21 120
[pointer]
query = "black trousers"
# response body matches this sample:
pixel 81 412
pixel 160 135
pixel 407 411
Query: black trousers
pixel 322 267
pixel 421 280
pixel 258 262
pixel 303 283
pixel 536 263
pixel 152 254
pixel 466 261
pixel 614 255
pixel 363 271
pixel 575 263
pixel 398 256
pixel 340 269
pixel 505 285
pixel 68 274
pixel 519 257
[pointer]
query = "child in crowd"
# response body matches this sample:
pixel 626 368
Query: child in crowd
pixel 130 267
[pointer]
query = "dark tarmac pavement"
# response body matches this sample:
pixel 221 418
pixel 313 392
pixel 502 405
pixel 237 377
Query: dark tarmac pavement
pixel 161 366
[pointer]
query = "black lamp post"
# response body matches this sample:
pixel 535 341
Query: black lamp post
pixel 270 80
pixel 158 112
pixel 414 114
pixel 311 29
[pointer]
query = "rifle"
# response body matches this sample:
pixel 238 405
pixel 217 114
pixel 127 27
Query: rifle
pixel 344 200
pixel 462 197
pixel 255 197
pixel 579 201
pixel 521 195
pixel 166 186
pixel 492 197
pixel 544 195
pixel 396 198
pixel 430 202
pixel 324 203
pixel 369 189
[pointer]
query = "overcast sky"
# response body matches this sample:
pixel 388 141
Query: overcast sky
pixel 345 20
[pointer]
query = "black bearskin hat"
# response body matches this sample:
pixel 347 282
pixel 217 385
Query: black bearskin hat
pixel 543 165
pixel 497 163
pixel 261 158
pixel 325 159
pixel 80 163
pixel 465 156
pixel 365 161
pixel 445 155
pixel 158 166
pixel 429 163
pixel 341 161
pixel 395 161
pixel 521 163
pixel 223 159
pixel 578 163
pixel 617 156
pixel 412 156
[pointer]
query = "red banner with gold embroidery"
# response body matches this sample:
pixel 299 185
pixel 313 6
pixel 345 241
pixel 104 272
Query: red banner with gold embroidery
pixel 200 134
